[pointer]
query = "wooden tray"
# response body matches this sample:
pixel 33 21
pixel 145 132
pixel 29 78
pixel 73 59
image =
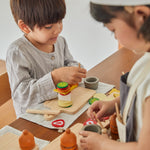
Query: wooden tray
pixel 80 97
pixel 55 144
pixel 9 141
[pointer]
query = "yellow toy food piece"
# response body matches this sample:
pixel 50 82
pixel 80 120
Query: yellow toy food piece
pixel 114 92
pixel 63 103
pixel 111 95
pixel 103 97
pixel 71 88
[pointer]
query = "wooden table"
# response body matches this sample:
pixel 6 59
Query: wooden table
pixel 108 71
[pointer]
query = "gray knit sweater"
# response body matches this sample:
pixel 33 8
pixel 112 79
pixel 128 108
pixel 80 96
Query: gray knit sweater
pixel 29 71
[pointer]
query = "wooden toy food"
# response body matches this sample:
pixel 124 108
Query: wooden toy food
pixel 79 96
pixel 92 100
pixel 93 128
pixel 64 94
pixel 26 141
pixel 68 140
pixel 89 121
pixel 113 127
pixel 91 82
pixel 58 123
pixel 55 144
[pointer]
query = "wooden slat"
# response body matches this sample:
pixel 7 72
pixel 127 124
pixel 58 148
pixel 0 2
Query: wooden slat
pixel 7 113
pixel 5 93
pixel 2 67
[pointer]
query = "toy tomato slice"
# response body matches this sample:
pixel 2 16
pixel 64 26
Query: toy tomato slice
pixel 105 118
pixel 89 121
pixel 58 123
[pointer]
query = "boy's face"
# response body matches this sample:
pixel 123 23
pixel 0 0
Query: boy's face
pixel 127 35
pixel 46 35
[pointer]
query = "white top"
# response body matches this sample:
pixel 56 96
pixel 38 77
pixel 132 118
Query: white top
pixel 142 92
pixel 121 2
pixel 29 71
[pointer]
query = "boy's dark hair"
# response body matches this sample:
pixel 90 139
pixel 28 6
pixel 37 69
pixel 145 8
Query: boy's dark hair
pixel 105 14
pixel 38 12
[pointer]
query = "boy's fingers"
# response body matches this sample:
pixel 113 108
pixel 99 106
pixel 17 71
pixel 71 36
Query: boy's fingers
pixel 83 140
pixel 84 133
pixel 82 72
pixel 84 146
pixel 100 114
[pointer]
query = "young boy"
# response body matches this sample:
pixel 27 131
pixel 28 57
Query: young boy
pixel 129 20
pixel 40 59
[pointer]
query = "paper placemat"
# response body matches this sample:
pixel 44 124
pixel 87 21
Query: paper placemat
pixel 41 143
pixel 104 87
pixel 68 118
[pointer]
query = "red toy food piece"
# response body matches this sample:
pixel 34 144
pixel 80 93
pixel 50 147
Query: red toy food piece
pixel 58 123
pixel 89 121
pixel 105 118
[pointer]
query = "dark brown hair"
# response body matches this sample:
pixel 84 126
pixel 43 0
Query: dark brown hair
pixel 38 12
pixel 105 14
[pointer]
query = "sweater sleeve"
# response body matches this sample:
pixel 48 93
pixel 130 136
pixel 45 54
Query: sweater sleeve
pixel 27 90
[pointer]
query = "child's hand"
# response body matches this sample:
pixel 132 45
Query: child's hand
pixel 91 140
pixel 72 75
pixel 102 109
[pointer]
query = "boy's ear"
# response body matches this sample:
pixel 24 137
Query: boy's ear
pixel 23 27
pixel 141 13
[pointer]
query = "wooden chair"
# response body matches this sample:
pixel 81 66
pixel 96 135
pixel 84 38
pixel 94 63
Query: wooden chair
pixel 7 113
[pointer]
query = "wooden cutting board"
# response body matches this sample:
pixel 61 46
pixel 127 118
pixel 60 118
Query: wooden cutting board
pixel 55 144
pixel 79 96
pixel 9 141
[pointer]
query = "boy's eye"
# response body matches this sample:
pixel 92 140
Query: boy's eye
pixel 48 27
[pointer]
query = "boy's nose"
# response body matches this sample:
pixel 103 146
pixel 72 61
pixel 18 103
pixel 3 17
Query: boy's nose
pixel 58 28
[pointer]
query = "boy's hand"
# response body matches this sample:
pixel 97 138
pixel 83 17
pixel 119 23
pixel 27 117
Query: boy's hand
pixel 72 75
pixel 91 140
pixel 102 109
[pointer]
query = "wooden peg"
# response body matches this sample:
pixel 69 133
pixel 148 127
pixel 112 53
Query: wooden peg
pixel 117 113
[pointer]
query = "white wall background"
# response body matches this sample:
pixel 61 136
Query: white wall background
pixel 88 41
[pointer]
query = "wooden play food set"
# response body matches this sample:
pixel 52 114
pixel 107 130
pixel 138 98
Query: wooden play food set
pixel 89 121
pixel 58 123
pixel 91 82
pixel 113 127
pixel 64 94
pixel 92 100
pixel 55 144
pixel 68 140
pixel 26 141
pixel 113 124
pixel 80 97
pixel 93 128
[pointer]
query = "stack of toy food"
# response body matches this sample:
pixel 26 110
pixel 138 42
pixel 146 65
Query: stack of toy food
pixel 64 94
